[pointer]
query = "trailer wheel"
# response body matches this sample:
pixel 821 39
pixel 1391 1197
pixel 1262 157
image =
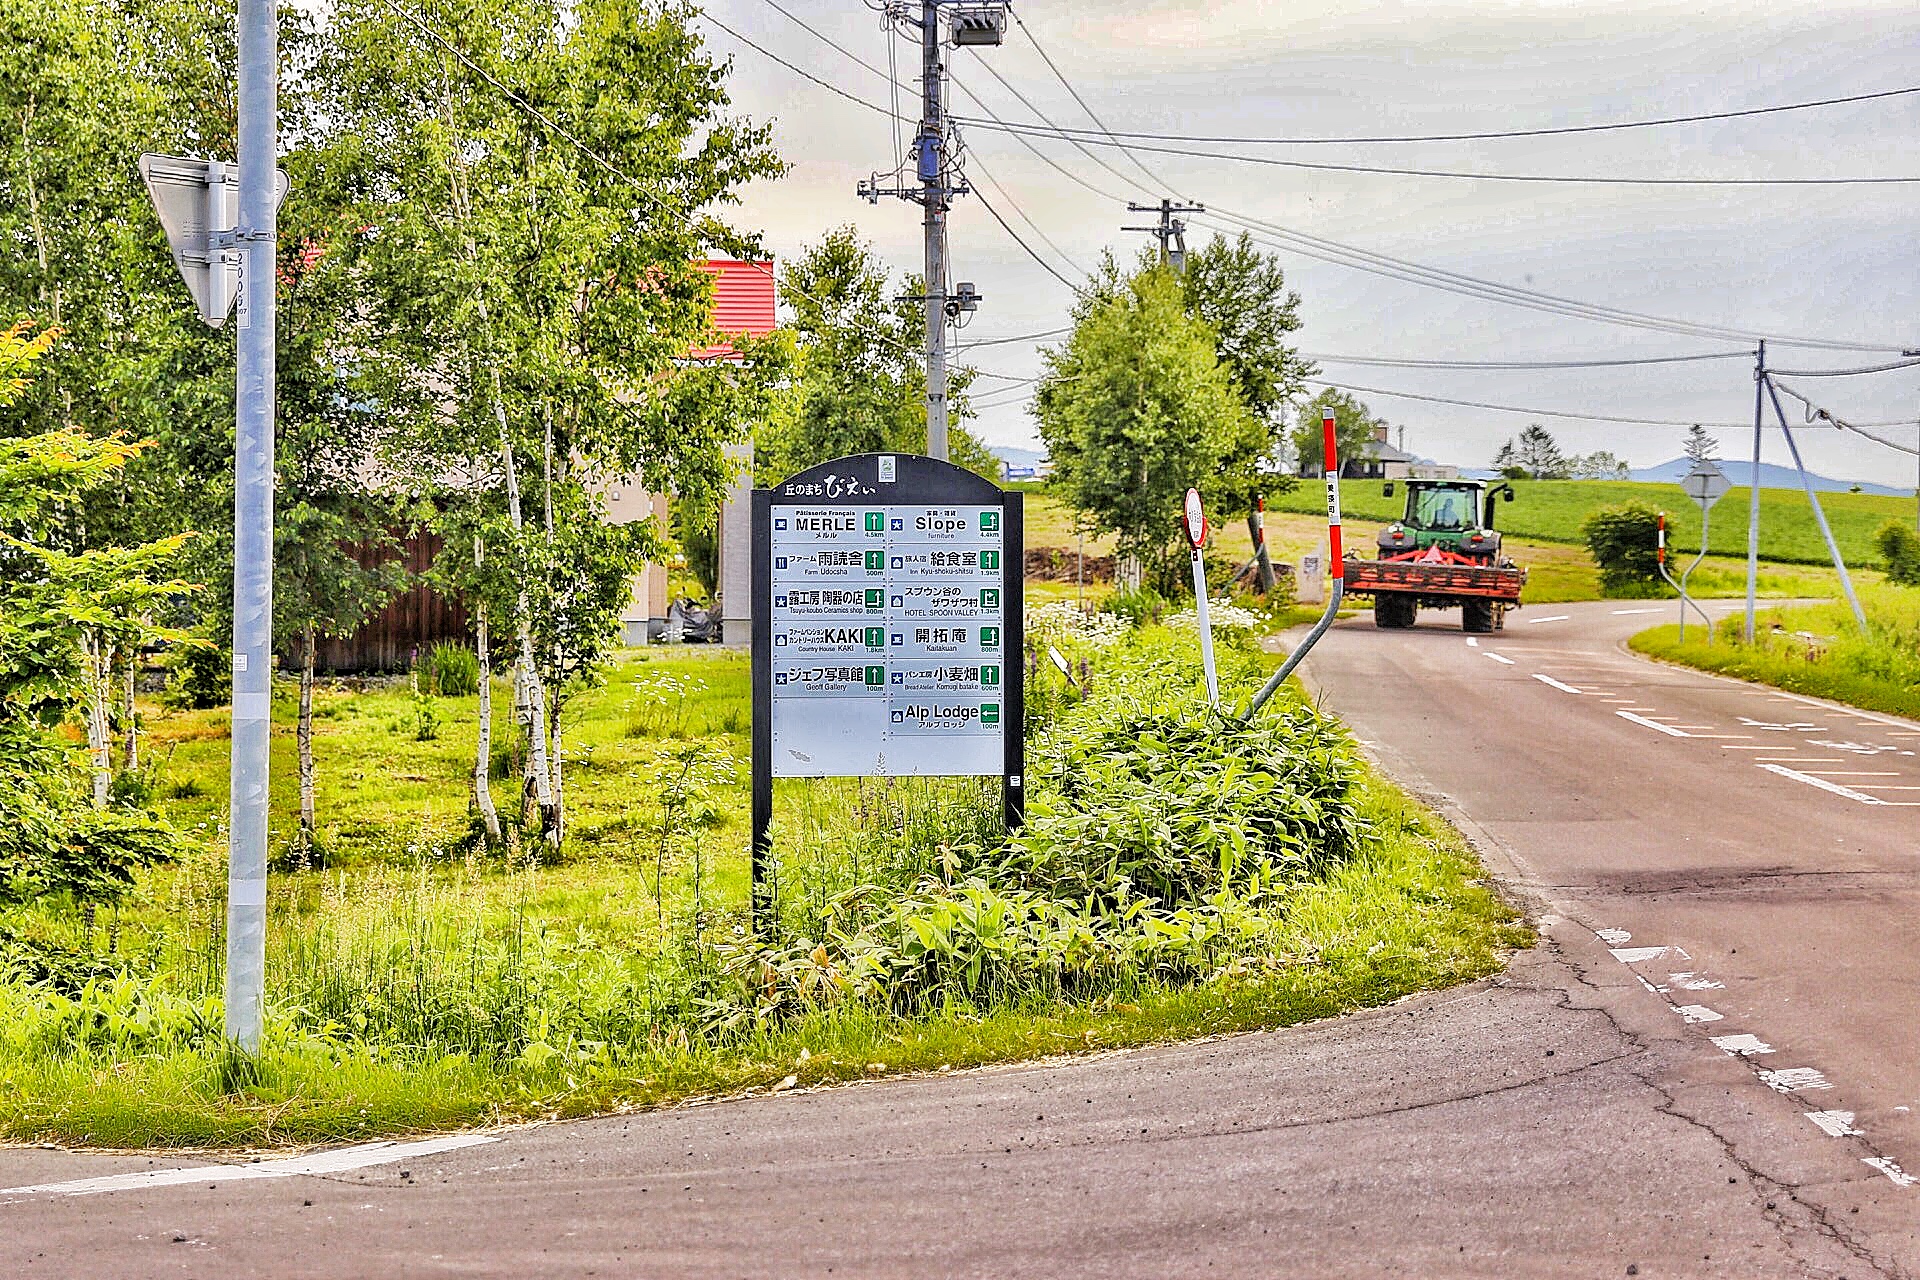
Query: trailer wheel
pixel 1476 616
pixel 1394 611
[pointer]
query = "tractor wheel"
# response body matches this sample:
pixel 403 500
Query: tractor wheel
pixel 1396 612
pixel 1476 616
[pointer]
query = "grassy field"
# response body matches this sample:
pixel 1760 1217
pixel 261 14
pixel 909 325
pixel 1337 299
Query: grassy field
pixel 1552 510
pixel 1557 571
pixel 1816 650
pixel 418 983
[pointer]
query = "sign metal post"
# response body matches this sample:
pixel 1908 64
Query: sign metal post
pixel 1195 522
pixel 887 633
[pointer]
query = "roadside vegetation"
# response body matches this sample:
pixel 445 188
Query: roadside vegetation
pixel 1178 875
pixel 1554 510
pixel 1816 650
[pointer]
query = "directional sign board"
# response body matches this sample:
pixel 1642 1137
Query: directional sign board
pixel 1706 484
pixel 886 625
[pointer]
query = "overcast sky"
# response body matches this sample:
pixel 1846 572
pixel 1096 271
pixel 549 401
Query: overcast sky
pixel 1827 261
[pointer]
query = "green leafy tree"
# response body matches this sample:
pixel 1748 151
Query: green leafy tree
pixel 1242 295
pixel 536 273
pixel 859 381
pixel 1624 541
pixel 1899 548
pixel 1536 455
pixel 61 614
pixel 1135 408
pixel 1353 427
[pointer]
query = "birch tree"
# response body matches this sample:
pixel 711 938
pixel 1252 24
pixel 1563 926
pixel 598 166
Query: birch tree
pixel 531 187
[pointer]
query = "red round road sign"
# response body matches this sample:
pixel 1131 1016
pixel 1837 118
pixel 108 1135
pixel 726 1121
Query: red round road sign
pixel 1196 520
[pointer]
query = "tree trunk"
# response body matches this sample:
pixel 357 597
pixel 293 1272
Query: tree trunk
pixel 559 792
pixel 539 773
pixel 483 749
pixel 98 653
pixel 304 734
pixel 130 757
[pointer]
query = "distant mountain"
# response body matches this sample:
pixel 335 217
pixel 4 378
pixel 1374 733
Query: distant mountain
pixel 1018 457
pixel 1771 477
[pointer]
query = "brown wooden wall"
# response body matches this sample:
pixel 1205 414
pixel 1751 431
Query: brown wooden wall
pixel 413 621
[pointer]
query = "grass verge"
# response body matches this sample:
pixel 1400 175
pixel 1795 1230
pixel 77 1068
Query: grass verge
pixel 1406 913
pixel 1815 650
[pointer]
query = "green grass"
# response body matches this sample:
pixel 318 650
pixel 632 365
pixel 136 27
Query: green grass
pixel 1408 913
pixel 420 984
pixel 1558 570
pixel 1552 511
pixel 1816 650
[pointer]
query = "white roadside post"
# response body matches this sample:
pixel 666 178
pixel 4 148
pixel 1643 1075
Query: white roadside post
pixel 1196 526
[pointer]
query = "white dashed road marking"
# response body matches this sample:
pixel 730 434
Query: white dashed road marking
pixel 1838 1124
pixel 1497 658
pixel 321 1162
pixel 1795 1079
pixel 1637 955
pixel 1900 1177
pixel 1558 617
pixel 1743 1046
pixel 1621 613
pixel 1550 681
pixel 1822 783
pixel 1654 725
pixel 1696 1013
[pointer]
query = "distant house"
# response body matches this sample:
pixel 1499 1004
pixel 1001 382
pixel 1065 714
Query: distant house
pixel 1383 461
pixel 743 304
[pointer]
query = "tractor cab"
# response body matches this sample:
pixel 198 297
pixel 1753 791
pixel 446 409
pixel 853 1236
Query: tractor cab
pixel 1445 516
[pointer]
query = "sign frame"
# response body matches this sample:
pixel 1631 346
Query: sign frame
pixel 890 480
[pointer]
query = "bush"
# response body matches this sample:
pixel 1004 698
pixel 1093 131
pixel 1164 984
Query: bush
pixel 1138 607
pixel 1625 543
pixel 451 670
pixel 199 678
pixel 1899 547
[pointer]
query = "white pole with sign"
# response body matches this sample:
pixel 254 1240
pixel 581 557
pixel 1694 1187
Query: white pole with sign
pixel 1196 522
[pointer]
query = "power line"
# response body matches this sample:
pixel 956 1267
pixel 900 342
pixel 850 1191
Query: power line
pixel 1409 171
pixel 1389 363
pixel 1846 373
pixel 1359 139
pixel 1068 86
pixel 1353 257
pixel 1004 226
pixel 1546 413
pixel 1018 337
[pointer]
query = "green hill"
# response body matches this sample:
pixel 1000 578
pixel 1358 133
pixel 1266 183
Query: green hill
pixel 1552 511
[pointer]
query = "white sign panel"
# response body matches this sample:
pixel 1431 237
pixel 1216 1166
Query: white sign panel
pixel 887 628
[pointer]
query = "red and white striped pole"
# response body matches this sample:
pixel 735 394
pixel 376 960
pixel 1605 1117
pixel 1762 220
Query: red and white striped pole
pixel 1336 571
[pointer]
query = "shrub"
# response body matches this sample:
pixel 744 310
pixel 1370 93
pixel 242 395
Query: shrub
pixel 199 678
pixel 1138 607
pixel 1899 546
pixel 1624 541
pixel 452 671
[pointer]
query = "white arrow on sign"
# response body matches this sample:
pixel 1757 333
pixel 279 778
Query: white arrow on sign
pixel 199 206
pixel 1706 484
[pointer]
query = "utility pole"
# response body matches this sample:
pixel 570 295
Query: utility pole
pixel 252 529
pixel 937 183
pixel 1171 232
pixel 1753 491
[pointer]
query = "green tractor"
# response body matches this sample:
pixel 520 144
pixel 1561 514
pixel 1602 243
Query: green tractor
pixel 1444 551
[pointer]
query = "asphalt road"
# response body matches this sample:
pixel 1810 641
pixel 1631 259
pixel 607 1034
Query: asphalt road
pixel 1576 1117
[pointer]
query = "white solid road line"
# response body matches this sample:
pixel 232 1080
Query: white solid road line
pixel 1558 617
pixel 1822 783
pixel 1653 724
pixel 342 1161
pixel 1549 680
pixel 1497 658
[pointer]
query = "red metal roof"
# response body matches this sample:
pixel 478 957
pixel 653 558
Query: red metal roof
pixel 742 301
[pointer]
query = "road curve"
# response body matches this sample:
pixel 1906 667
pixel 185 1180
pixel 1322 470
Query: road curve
pixel 1563 1120
pixel 1752 857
